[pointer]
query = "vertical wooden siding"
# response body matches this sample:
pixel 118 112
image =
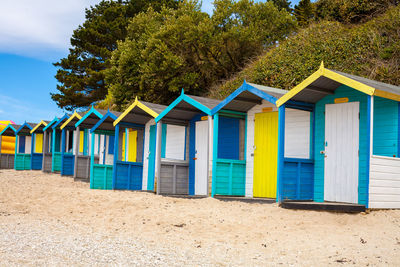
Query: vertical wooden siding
pixel 352 95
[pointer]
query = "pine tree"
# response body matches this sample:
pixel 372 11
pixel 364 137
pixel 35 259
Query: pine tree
pixel 283 4
pixel 81 74
pixel 304 12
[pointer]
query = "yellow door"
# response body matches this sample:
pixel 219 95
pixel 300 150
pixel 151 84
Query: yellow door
pixel 132 143
pixel 265 154
pixel 39 143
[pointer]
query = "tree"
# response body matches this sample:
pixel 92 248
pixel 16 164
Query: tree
pixel 283 4
pixel 186 48
pixel 81 75
pixel 304 12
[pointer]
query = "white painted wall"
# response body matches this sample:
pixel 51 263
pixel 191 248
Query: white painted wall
pixel 28 143
pixel 384 183
pixel 297 133
pixel 146 152
pixel 109 157
pixel 175 142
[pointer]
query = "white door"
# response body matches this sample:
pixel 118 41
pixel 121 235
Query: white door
pixel 200 184
pixel 341 152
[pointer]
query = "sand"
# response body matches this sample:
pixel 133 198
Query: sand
pixel 46 219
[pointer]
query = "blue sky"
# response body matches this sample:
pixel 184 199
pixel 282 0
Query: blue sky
pixel 33 35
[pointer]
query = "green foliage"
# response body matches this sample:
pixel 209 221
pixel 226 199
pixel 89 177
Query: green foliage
pixel 350 11
pixel 186 48
pixel 371 50
pixel 304 12
pixel 81 74
pixel 283 4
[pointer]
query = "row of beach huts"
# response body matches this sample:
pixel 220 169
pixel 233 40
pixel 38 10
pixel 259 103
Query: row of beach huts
pixel 334 138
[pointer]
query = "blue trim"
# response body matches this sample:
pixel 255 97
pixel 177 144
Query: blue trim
pixel 281 152
pixel 131 125
pixel 368 148
pixel 163 139
pixel 92 159
pixel 22 126
pixel 300 105
pixel 62 149
pixel 100 122
pixel 298 160
pixel 16 152
pixel 398 132
pixel 152 157
pixel 85 142
pixel 91 111
pixel 215 154
pixel 184 149
pixel 58 122
pixel 114 176
pixel 8 126
pixel 245 138
pixel 188 100
pixel 53 149
pixel 244 87
pixel 50 123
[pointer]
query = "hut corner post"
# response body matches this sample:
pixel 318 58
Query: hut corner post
pixel 33 141
pixel 370 138
pixel 209 145
pixel 62 150
pixel 16 150
pixel 281 151
pixel 157 179
pixel 91 159
pixel 215 154
pixel 116 153
pixel 76 144
pixel 53 149
pixel 45 147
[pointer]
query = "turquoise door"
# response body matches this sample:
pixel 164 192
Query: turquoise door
pixel 151 158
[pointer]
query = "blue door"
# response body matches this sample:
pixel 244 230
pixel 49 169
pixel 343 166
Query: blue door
pixel 152 157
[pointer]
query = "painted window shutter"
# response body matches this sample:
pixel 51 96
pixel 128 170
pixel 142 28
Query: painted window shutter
pixel 111 145
pixel 228 138
pixel 21 144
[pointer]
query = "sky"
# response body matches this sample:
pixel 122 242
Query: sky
pixel 33 35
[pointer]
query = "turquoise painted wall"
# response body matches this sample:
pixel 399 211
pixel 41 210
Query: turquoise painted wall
pixel 386 123
pixel 354 96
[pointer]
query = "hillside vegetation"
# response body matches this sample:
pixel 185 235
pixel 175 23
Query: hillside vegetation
pixel 371 50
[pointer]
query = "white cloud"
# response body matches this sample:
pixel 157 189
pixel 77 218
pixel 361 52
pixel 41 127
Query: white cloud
pixel 20 111
pixel 32 28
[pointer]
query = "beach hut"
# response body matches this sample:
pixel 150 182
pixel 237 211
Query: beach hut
pixel 183 150
pixel 355 146
pixel 56 144
pixel 245 144
pixel 6 154
pixel 47 145
pixel 24 145
pixel 101 171
pixel 134 147
pixel 37 145
pixel 81 143
pixel 75 160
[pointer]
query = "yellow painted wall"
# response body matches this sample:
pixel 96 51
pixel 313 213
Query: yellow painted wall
pixel 81 141
pixel 132 135
pixel 39 143
pixel 265 154
pixel 7 142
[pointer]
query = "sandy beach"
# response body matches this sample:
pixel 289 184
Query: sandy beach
pixel 46 219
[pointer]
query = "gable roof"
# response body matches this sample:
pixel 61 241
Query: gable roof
pixel 107 122
pixel 40 126
pixel 25 128
pixel 186 106
pixel 91 118
pixel 74 118
pixel 247 96
pixel 140 112
pixel 10 130
pixel 58 123
pixel 325 81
